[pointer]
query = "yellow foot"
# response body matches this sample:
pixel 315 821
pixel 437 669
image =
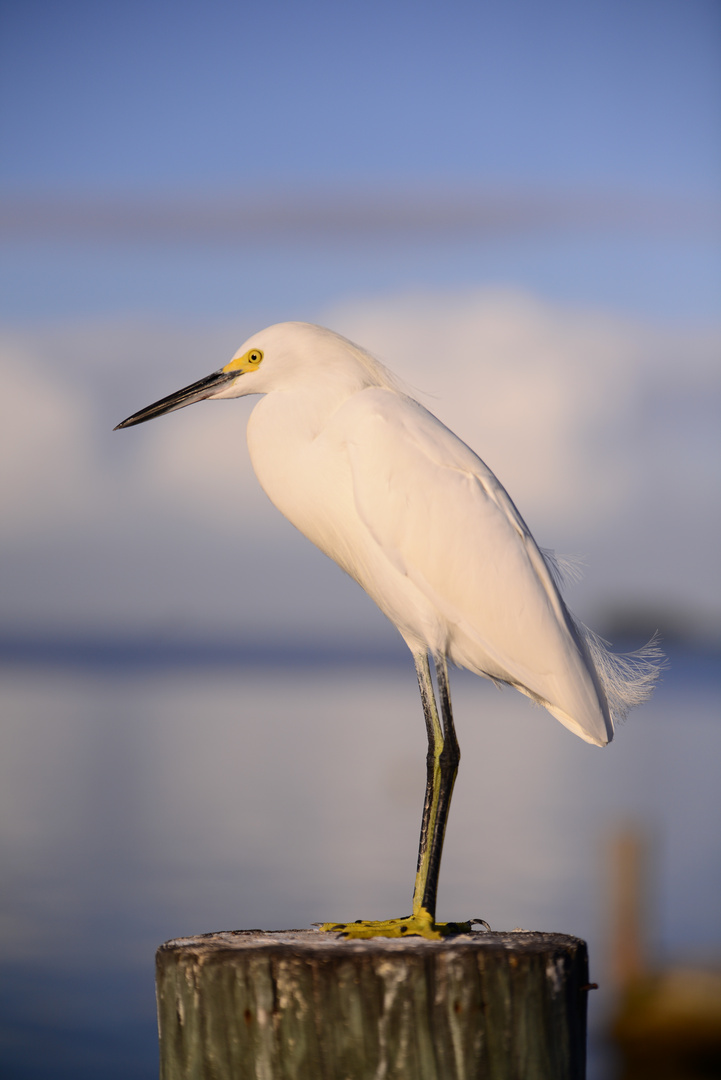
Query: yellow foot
pixel 419 925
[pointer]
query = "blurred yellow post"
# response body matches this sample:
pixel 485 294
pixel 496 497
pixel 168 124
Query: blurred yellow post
pixel 629 906
pixel 667 1024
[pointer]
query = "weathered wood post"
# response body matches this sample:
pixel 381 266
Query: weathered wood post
pixel 306 1005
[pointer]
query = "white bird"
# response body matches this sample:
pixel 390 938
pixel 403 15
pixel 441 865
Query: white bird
pixel 422 524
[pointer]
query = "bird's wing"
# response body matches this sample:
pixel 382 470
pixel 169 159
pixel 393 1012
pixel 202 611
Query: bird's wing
pixel 442 519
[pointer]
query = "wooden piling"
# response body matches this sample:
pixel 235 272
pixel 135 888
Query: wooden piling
pixel 306 1005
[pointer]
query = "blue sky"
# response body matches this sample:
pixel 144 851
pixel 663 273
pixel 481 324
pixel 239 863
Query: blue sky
pixel 605 102
pixel 215 95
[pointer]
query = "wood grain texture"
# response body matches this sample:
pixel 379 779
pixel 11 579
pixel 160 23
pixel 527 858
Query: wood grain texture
pixel 300 1005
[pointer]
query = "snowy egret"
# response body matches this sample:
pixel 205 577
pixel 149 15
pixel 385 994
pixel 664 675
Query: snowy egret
pixel 422 524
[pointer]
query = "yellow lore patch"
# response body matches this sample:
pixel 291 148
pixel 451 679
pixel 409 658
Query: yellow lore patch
pixel 248 362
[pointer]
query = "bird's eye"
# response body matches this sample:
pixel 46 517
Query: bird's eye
pixel 255 357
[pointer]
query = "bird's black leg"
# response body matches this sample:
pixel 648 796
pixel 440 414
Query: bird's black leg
pixel 449 761
pixel 435 748
pixel 442 766
pixel 441 769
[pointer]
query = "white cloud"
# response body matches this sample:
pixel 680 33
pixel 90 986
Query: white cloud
pixel 550 398
pixel 47 474
pixel 60 473
pixel 602 430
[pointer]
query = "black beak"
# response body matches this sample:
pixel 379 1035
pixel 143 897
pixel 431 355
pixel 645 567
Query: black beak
pixel 204 388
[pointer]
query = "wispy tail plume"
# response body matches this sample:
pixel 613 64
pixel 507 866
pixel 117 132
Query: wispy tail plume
pixel 627 679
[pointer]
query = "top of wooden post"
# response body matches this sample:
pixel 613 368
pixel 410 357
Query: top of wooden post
pixel 317 941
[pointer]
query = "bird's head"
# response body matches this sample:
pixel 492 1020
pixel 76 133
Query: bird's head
pixel 281 357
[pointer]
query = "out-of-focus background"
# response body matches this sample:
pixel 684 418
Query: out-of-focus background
pixel 514 205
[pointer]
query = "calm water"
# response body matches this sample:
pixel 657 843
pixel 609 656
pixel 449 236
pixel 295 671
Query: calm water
pixel 137 805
